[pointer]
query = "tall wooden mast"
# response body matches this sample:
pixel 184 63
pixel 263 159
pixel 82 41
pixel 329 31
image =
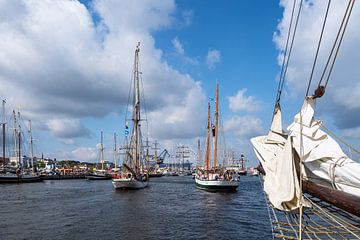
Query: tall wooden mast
pixel 15 135
pixel 136 118
pixel 31 146
pixel 215 128
pixel 102 152
pixel 207 153
pixel 198 156
pixel 115 152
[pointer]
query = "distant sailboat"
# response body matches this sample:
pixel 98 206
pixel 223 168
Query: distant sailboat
pixel 20 174
pixel 216 178
pixel 133 174
pixel 100 174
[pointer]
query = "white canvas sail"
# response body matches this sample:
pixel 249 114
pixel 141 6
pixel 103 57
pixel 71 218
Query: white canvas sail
pixel 324 161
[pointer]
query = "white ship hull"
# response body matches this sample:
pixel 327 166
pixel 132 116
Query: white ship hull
pixel 216 185
pixel 126 183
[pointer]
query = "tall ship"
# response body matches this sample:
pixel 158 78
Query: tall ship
pixel 22 169
pixel 134 174
pixel 100 174
pixel 215 178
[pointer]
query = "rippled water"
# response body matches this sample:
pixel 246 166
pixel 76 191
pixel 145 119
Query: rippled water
pixel 171 208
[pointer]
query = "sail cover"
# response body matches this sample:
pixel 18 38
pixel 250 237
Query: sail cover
pixel 324 161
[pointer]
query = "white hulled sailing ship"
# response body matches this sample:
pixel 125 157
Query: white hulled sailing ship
pixel 215 179
pixel 133 174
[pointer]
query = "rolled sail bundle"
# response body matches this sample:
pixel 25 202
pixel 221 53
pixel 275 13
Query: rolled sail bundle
pixel 324 162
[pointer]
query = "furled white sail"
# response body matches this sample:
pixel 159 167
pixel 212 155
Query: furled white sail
pixel 275 154
pixel 324 161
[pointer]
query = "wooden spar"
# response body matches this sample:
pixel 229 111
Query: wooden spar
pixel 340 199
pixel 102 152
pixel 115 152
pixel 15 135
pixel 31 146
pixel 216 124
pixel 199 157
pixel 137 110
pixel 207 153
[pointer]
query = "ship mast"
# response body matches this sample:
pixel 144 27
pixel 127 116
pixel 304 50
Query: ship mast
pixel 102 152
pixel 15 135
pixel 198 156
pixel 3 131
pixel 115 152
pixel 31 146
pixel 207 154
pixel 137 110
pixel 215 128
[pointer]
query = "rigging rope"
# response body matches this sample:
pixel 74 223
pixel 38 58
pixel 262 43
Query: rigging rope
pixel 290 50
pixel 285 53
pixel 321 89
pixel 318 47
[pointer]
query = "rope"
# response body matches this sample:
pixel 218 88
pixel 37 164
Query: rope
pixel 283 63
pixel 318 47
pixel 336 43
pixel 291 46
pixel 338 138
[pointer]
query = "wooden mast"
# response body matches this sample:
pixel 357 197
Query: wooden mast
pixel 115 152
pixel 199 156
pixel 15 135
pixel 207 153
pixel 31 146
pixel 137 110
pixel 215 129
pixel 3 131
pixel 102 152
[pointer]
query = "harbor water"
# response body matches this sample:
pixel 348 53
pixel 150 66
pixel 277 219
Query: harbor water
pixel 170 208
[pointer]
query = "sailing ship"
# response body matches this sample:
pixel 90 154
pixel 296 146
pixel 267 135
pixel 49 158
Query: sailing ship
pixel 242 170
pixel 20 174
pixel 133 174
pixel 311 186
pixel 215 179
pixel 100 174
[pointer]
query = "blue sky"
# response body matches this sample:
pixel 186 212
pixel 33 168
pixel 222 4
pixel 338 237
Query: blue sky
pixel 69 64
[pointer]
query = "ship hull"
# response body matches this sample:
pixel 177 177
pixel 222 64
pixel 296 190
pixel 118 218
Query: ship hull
pixel 97 177
pixel 216 185
pixel 19 179
pixel 126 183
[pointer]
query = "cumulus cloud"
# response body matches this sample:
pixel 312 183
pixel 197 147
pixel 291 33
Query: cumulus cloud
pixel 67 128
pixel 343 91
pixel 187 17
pixel 62 65
pixel 241 102
pixel 244 127
pixel 82 154
pixel 213 57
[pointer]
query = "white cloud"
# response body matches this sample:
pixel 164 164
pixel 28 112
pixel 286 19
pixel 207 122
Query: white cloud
pixel 59 63
pixel 244 127
pixel 178 46
pixel 213 57
pixel 67 128
pixel 82 154
pixel 343 91
pixel 240 102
